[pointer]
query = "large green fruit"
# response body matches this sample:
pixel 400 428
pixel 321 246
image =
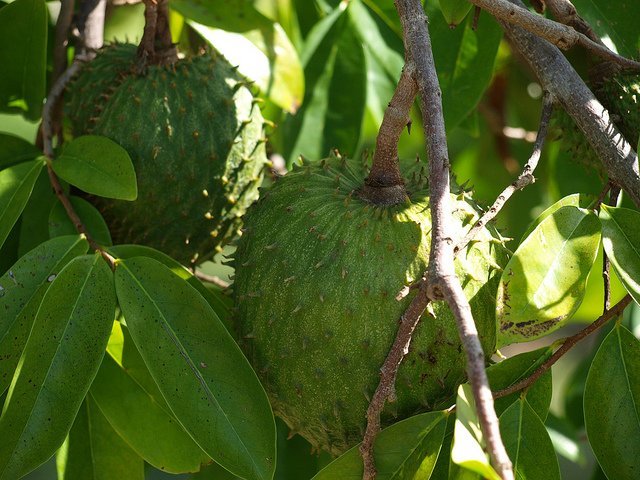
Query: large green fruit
pixel 195 135
pixel 317 273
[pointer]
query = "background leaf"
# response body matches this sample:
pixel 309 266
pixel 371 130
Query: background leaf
pixel 15 150
pixel 406 450
pixel 203 376
pixel 23 33
pixel 21 291
pixel 128 397
pixel 621 241
pixel 99 166
pixel 544 282
pixel 60 223
pixel 612 405
pixel 94 451
pixel 16 184
pixel 58 364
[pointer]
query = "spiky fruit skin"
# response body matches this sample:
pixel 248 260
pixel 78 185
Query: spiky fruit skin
pixel 317 273
pixel 620 95
pixel 196 138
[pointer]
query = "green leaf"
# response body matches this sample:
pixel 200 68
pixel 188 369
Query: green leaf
pixel 23 32
pixel 519 367
pixel 94 451
pixel 454 11
pixel 576 199
pixel 468 441
pixel 60 359
pixel 544 282
pixel 129 398
pixel 264 54
pixel 406 450
pixel 16 184
pixel 21 291
pixel 566 439
pixel 34 228
pixel 614 21
pixel 15 150
pixel 621 240
pixel 612 405
pixel 99 166
pixel 201 372
pixel 336 91
pixel 528 444
pixel 61 224
pixel 220 304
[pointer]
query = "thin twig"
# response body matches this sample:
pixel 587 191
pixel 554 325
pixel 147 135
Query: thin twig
pixel 567 345
pixel 613 200
pixel 61 38
pixel 525 178
pixel 564 12
pixel 91 26
pixel 562 36
pixel 213 279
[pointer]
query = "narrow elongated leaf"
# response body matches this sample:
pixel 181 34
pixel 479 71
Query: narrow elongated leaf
pixel 16 184
pixel 544 282
pixel 98 165
pixel 621 240
pixel 468 442
pixel 407 450
pixel 15 150
pixel 23 29
pixel 519 367
pixel 35 215
pixel 201 372
pixel 128 397
pixel 612 405
pixel 528 444
pixel 21 291
pixel 94 451
pixel 58 364
pixel 60 223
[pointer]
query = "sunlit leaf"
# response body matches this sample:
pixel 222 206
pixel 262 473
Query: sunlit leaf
pixel 576 199
pixel 544 282
pixel 99 166
pixel 612 405
pixel 201 372
pixel 58 364
pixel 406 450
pixel 621 240
pixel 21 291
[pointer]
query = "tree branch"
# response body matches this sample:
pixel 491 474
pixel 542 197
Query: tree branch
pixel 564 12
pixel 91 26
pixel 567 345
pixel 525 178
pixel 560 35
pixel 558 77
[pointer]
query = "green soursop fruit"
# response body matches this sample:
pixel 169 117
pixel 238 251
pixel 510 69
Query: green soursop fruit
pixel 620 95
pixel 317 273
pixel 196 138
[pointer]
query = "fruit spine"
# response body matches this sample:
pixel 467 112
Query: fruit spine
pixel 195 135
pixel 317 273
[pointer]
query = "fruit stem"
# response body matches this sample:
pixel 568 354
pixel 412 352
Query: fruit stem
pixel 156 46
pixel 384 185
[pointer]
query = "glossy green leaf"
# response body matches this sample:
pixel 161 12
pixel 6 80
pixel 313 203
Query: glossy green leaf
pixel 544 282
pixel 60 223
pixel 202 374
pixel 528 444
pixel 576 199
pixel 614 21
pixel 566 440
pixel 264 54
pixel 58 364
pixel 21 291
pixel 519 367
pixel 34 228
pixel 220 303
pixel 407 450
pixel 454 11
pixel 16 184
pixel 23 32
pixel 621 240
pixel 94 451
pixel 128 397
pixel 468 442
pixel 612 405
pixel 336 91
pixel 99 166
pixel 15 150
